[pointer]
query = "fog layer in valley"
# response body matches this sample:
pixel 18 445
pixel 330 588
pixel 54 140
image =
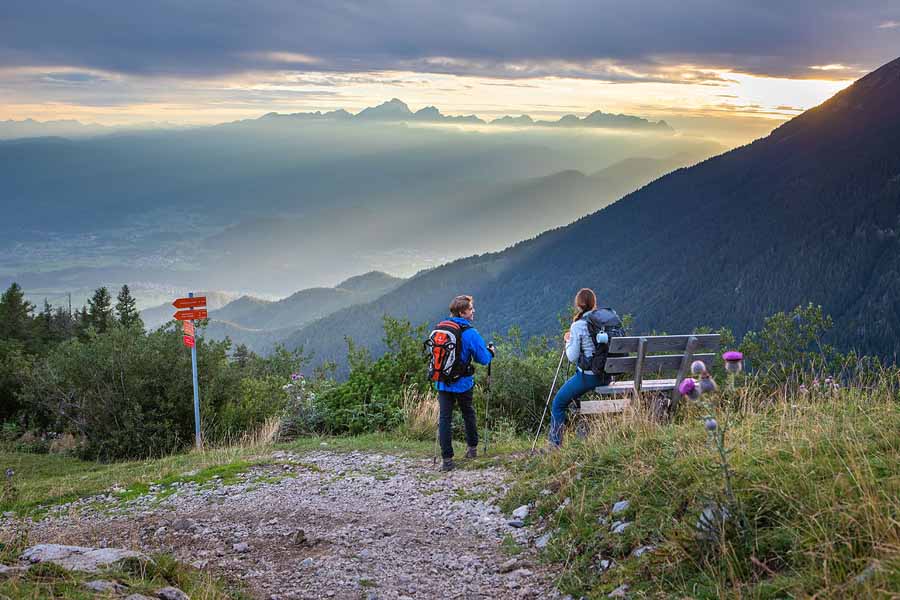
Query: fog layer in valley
pixel 276 205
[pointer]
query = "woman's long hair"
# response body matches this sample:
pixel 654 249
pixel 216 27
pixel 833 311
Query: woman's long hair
pixel 585 301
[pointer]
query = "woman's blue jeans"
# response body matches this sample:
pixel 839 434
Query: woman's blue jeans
pixel 578 384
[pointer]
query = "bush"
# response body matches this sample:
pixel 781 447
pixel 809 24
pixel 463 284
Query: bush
pixel 126 393
pixel 257 400
pixel 371 398
pixel 521 376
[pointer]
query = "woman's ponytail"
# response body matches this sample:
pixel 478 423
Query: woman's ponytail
pixel 585 301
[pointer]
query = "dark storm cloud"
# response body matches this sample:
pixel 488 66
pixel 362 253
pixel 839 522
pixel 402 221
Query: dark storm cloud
pixel 616 41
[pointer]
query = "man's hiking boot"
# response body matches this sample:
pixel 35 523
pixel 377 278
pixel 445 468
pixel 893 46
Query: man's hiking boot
pixel 447 465
pixel 472 452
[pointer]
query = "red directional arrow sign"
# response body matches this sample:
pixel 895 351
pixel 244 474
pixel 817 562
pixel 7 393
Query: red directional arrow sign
pixel 195 302
pixel 188 341
pixel 188 327
pixel 190 315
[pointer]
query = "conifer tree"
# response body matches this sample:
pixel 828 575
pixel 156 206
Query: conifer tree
pixel 126 309
pixel 15 315
pixel 242 356
pixel 100 312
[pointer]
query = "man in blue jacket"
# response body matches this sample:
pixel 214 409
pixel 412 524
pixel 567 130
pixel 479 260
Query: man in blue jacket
pixel 462 312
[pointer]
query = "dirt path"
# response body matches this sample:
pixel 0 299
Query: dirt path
pixel 329 525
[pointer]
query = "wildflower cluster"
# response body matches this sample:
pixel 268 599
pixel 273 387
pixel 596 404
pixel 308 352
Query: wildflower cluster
pixel 828 385
pixel 301 415
pixel 694 390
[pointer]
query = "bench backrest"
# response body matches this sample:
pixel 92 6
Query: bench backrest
pixel 680 352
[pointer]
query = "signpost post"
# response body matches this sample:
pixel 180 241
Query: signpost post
pixel 187 317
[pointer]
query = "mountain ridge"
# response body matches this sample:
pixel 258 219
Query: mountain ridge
pixel 728 241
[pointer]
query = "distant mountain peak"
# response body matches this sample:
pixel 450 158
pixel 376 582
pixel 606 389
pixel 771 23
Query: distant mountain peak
pixel 429 112
pixel 508 120
pixel 396 110
pixel 393 109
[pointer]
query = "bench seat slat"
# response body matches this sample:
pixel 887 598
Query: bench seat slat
pixel 652 363
pixel 663 343
pixel 625 387
pixel 599 407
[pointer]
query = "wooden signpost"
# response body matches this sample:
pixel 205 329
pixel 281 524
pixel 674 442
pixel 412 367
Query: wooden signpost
pixel 198 311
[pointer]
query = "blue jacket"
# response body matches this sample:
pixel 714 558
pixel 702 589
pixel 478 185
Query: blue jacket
pixel 472 345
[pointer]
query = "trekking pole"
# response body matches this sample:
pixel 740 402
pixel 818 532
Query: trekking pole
pixel 487 402
pixel 546 406
pixel 437 434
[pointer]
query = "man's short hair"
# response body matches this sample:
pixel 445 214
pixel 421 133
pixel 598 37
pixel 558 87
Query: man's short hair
pixel 460 304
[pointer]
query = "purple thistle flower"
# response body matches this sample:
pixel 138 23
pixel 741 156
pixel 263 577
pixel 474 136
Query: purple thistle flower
pixel 734 361
pixel 688 387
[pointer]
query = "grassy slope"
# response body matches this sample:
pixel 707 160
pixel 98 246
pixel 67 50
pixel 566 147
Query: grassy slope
pixel 818 476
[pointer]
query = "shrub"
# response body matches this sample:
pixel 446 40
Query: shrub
pixel 370 399
pixel 126 393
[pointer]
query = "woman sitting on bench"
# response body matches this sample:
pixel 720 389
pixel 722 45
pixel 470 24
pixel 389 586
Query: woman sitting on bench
pixel 579 350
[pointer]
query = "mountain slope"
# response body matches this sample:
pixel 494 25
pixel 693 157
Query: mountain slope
pixel 306 305
pixel 261 323
pixel 811 213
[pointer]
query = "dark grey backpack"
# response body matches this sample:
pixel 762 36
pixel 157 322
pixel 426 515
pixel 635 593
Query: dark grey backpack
pixel 601 321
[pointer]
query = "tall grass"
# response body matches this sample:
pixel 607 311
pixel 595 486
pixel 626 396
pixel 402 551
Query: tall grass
pixel 420 413
pixel 816 471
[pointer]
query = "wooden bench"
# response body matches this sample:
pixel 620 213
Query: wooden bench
pixel 648 360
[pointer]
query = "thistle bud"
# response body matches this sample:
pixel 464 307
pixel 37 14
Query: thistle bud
pixel 698 367
pixel 711 424
pixel 707 385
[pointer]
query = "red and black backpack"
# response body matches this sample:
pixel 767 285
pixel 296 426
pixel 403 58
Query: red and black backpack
pixel 442 349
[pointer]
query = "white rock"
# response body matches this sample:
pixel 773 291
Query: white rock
pixel 171 593
pixel 619 592
pixel 542 541
pixel 521 512
pixel 620 506
pixel 101 586
pixel 78 558
pixel 619 526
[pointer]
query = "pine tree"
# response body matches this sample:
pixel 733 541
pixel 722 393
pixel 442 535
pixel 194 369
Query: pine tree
pixel 126 309
pixel 100 312
pixel 43 323
pixel 241 356
pixel 15 315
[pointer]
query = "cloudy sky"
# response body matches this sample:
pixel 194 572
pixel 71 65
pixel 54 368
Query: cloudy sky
pixel 697 63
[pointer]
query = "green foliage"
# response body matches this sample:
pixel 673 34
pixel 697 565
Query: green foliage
pixel 100 312
pixel 521 375
pixel 371 398
pixel 126 309
pixel 791 342
pixel 816 475
pixel 257 400
pixel 15 315
pixel 13 362
pixel 119 391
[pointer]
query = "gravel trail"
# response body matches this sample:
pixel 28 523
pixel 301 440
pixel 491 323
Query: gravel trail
pixel 327 525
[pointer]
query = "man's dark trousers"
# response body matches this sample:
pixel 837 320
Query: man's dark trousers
pixel 446 400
